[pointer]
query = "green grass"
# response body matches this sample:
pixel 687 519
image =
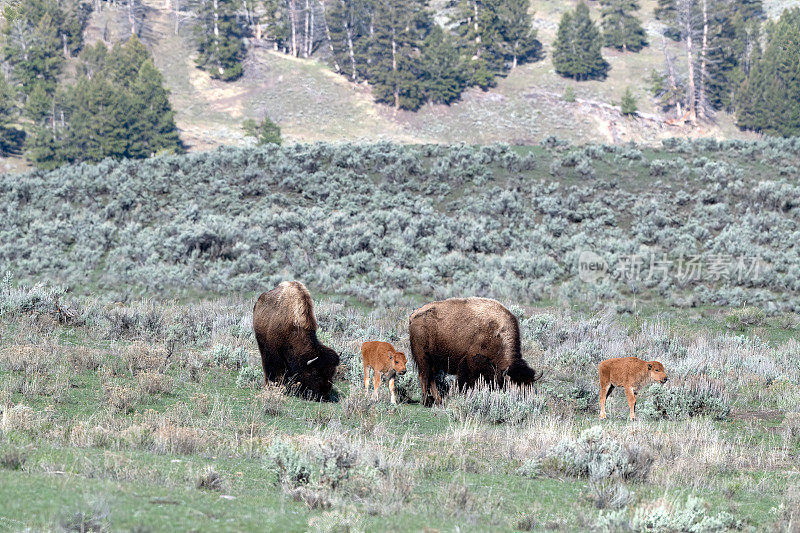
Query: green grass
pixel 416 468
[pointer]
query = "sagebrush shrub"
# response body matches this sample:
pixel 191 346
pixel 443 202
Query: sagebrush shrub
pixel 674 403
pixel 495 406
pixel 594 454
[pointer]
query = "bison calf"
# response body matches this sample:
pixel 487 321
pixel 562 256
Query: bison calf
pixel 286 333
pixel 384 360
pixel 631 373
pixel 473 338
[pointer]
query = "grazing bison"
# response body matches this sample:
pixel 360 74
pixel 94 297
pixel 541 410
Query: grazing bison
pixel 472 338
pixel 286 333
pixel 384 360
pixel 631 373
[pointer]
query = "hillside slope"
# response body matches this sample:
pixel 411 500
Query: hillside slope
pixel 312 103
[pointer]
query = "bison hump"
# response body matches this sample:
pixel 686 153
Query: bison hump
pixel 295 299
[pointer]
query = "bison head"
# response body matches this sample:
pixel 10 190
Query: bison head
pixel 521 374
pixel 657 372
pixel 315 373
pixel 398 360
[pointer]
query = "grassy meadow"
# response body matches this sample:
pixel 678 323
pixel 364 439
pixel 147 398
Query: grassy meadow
pixel 151 416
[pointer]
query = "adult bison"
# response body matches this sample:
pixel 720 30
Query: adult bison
pixel 472 338
pixel 286 333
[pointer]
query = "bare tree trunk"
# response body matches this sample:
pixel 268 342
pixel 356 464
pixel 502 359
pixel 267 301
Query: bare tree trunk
pixel 293 22
pixel 307 27
pixel 691 103
pixel 132 16
pixel 216 36
pixel 64 41
pixel 703 65
pixel 350 51
pixel 394 71
pixel 477 31
pixel 671 74
pixel 311 32
pixel 328 36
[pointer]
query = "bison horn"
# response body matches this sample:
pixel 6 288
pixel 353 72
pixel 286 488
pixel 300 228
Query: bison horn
pixel 311 361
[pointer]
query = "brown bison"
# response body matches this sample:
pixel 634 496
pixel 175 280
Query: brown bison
pixel 384 360
pixel 472 338
pixel 631 373
pixel 286 333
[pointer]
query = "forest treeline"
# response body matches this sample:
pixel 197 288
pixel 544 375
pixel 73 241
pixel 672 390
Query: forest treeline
pixel 114 103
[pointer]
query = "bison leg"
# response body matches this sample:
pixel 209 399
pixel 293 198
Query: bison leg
pixel 464 378
pixel 376 383
pixel 274 368
pixel 605 392
pixel 631 402
pixel 366 378
pixel 391 390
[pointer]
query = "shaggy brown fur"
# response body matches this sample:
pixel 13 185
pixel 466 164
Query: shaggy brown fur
pixel 472 338
pixel 384 360
pixel 286 333
pixel 631 373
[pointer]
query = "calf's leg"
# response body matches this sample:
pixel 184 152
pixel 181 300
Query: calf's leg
pixel 376 382
pixel 631 402
pixel 391 390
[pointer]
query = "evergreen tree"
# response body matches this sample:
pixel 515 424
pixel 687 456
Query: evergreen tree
pixel 441 67
pixel 117 108
pixel 219 39
pixel 519 41
pixel 577 50
pixel 621 29
pixel 154 130
pixel 628 103
pixel 478 27
pixel 393 53
pixel 274 23
pixel 667 12
pixel 265 132
pixel 734 34
pixel 770 98
pixel 38 35
pixel 9 136
pixel 350 23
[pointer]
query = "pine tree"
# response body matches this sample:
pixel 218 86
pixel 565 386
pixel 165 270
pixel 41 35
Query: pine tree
pixel 350 23
pixel 442 70
pixel 117 108
pixel 628 103
pixel 38 35
pixel 9 137
pixel 265 132
pixel 667 12
pixel 478 28
pixel 519 38
pixel 770 99
pixel 621 29
pixel 577 50
pixel 274 23
pixel 393 53
pixel 219 35
pixel 154 130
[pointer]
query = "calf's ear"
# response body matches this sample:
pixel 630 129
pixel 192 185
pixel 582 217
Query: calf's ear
pixel 649 366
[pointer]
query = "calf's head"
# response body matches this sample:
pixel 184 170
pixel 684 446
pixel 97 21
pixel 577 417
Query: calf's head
pixel 398 361
pixel 657 372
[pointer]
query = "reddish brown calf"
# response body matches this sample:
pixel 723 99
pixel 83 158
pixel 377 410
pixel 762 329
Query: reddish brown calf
pixel 384 360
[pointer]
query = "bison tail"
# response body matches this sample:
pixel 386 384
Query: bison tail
pixel 519 372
